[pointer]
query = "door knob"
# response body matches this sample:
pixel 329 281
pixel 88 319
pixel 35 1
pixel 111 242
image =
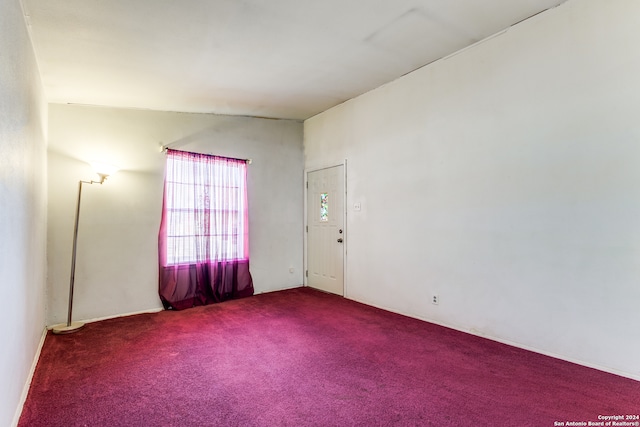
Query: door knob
pixel 340 240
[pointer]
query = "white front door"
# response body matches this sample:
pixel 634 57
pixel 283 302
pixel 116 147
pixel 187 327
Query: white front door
pixel 325 237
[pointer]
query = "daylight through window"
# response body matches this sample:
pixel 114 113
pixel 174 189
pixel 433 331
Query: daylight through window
pixel 205 208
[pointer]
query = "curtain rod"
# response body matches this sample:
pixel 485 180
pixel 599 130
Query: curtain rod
pixel 164 148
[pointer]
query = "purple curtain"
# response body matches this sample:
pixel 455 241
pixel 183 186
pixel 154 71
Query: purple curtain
pixel 204 233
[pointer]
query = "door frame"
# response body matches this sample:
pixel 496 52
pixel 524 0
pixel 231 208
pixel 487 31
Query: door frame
pixel 307 171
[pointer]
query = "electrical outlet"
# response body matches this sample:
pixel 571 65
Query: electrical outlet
pixel 435 299
pixel 291 270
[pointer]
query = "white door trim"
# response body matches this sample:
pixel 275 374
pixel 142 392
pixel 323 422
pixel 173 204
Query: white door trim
pixel 345 227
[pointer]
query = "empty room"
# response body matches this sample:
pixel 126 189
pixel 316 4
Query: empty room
pixel 320 213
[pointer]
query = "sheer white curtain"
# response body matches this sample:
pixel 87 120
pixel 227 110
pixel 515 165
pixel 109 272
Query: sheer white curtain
pixel 203 241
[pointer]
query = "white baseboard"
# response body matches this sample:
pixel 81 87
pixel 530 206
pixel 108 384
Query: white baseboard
pixel 286 288
pixel 98 319
pixel 511 343
pixel 27 384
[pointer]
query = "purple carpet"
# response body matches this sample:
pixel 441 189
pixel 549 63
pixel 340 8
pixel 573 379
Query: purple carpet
pixel 305 358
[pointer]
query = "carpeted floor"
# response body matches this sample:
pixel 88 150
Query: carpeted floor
pixel 304 358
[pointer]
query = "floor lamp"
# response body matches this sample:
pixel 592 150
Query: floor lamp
pixel 103 170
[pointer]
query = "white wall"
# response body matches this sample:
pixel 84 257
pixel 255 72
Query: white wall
pixel 505 178
pixel 22 208
pixel 116 269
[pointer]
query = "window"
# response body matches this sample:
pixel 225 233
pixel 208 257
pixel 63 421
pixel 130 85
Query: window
pixel 205 209
pixel 324 207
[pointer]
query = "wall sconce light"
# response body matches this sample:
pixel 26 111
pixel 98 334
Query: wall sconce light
pixel 103 170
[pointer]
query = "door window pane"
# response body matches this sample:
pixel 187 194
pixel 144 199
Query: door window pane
pixel 324 207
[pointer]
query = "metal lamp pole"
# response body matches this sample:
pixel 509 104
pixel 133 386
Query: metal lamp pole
pixel 70 326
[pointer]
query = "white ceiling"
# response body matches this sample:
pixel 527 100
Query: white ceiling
pixel 278 58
